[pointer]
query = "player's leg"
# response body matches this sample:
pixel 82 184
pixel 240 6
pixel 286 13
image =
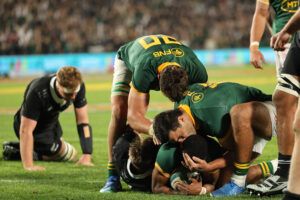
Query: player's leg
pixel 261 170
pixel 285 99
pixel 264 126
pixel 50 147
pixel 119 107
pixel 243 136
pixel 248 121
pixel 294 177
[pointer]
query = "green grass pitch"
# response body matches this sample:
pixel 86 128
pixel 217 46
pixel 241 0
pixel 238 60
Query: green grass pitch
pixel 67 181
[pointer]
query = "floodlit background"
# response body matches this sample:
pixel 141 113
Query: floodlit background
pixel 39 36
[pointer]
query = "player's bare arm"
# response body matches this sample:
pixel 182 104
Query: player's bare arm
pixel 159 183
pixel 257 29
pixel 196 163
pixel 82 119
pixel 137 107
pixel 26 144
pixel 280 39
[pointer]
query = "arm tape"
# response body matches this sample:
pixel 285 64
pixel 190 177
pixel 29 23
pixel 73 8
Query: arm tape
pixel 86 138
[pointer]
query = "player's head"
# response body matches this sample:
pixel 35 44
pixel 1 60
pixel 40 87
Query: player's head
pixel 143 153
pixel 174 125
pixel 68 82
pixel 195 145
pixel 173 82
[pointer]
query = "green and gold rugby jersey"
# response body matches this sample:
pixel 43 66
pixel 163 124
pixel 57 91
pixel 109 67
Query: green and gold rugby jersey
pixel 168 159
pixel 209 105
pixel 169 156
pixel 147 56
pixel 284 10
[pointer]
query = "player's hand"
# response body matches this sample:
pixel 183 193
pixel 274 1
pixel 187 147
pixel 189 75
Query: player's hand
pixel 194 188
pixel 35 168
pixel 279 40
pixel 256 58
pixel 195 163
pixel 85 160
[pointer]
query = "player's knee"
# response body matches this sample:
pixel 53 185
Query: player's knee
pixel 68 152
pixel 240 112
pixel 285 104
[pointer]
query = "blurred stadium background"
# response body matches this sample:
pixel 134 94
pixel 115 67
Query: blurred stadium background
pixel 39 36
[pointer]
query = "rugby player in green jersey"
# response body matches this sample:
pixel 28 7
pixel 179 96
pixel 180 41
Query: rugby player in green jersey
pixel 211 167
pixel 241 117
pixel 142 62
pixel 284 98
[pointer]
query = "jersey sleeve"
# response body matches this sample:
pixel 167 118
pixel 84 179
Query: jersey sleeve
pixel 258 95
pixel 167 159
pixel 32 106
pixel 197 72
pixel 80 99
pixel 142 79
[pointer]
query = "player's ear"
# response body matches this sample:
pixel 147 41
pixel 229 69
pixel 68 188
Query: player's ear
pixel 181 119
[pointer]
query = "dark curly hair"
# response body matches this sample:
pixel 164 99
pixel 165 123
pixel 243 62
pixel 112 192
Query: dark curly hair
pixel 173 82
pixel 165 122
pixel 143 153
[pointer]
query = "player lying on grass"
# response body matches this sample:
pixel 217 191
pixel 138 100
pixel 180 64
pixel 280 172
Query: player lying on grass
pixel 191 178
pixel 241 117
pixel 37 126
pixel 141 62
pixel 134 158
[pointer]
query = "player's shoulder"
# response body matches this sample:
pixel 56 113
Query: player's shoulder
pixel 167 148
pixel 41 82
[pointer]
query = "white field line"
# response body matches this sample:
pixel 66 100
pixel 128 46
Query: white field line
pixel 39 181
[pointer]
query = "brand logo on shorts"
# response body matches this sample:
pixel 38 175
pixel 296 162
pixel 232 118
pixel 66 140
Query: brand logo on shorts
pixel 196 97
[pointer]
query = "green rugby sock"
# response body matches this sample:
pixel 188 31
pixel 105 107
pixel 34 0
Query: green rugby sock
pixel 267 168
pixel 112 171
pixel 240 173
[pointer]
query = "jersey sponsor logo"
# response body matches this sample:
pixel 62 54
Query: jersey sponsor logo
pixel 177 52
pixel 197 97
pixel 290 6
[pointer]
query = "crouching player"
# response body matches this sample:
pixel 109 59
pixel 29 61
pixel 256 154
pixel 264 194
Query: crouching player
pixel 241 117
pixel 134 158
pixel 204 175
pixel 37 126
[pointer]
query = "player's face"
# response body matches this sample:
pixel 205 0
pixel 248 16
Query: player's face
pixel 185 129
pixel 179 135
pixel 70 95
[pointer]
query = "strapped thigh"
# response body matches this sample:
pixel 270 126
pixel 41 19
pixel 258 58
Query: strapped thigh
pixel 121 78
pixel 289 84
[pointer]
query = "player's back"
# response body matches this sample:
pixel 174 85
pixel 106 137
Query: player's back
pixel 152 50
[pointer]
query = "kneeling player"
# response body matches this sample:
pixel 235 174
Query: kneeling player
pixel 37 126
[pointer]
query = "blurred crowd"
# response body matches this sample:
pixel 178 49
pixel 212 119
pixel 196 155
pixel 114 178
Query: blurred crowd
pixel 56 26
